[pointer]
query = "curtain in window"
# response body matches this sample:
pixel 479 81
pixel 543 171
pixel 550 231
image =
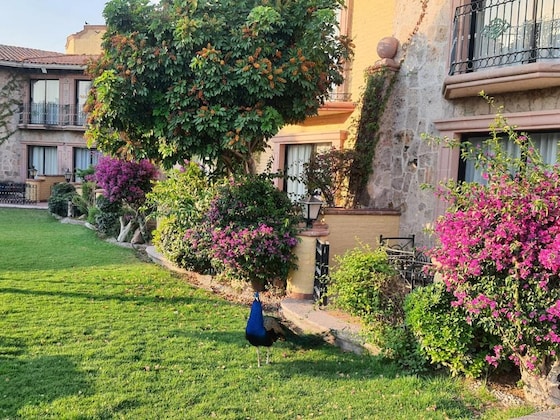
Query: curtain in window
pixel 545 143
pixel 44 102
pixel 44 159
pixel 82 90
pixel 84 158
pixel 296 156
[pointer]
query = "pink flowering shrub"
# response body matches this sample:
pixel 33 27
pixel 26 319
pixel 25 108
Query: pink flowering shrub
pixel 252 230
pixel 499 251
pixel 256 252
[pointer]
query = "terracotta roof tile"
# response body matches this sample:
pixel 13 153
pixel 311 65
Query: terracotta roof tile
pixel 33 56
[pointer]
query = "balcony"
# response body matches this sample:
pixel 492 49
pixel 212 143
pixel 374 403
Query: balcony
pixel 504 46
pixel 52 116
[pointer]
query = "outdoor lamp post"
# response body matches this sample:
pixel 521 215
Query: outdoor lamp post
pixel 310 208
pixel 68 175
pixel 32 172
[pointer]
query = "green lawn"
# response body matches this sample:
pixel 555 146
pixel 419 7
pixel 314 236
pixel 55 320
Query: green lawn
pixel 89 331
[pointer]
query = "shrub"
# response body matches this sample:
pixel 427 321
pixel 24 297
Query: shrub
pixel 106 216
pixel 329 173
pixel 253 229
pixel 58 201
pixel 185 248
pixel 85 201
pixel 444 336
pixel 363 284
pixel 126 182
pixel 499 252
pixel 180 202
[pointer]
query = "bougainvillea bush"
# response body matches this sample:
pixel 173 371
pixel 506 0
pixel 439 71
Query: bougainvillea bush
pixel 126 182
pixel 499 251
pixel 253 228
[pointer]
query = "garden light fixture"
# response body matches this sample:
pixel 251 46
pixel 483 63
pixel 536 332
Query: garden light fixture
pixel 310 208
pixel 32 172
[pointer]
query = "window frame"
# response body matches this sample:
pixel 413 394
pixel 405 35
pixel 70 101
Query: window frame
pixel 42 110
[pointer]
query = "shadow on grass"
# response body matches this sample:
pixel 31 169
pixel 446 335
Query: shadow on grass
pixel 34 381
pixel 141 300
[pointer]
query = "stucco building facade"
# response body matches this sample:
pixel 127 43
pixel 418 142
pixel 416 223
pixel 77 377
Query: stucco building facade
pixel 449 51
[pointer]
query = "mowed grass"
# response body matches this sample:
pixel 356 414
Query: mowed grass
pixel 90 331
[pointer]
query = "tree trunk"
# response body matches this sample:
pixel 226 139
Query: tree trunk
pixel 543 389
pixel 125 229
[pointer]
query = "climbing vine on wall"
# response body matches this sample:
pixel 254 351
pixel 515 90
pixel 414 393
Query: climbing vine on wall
pixel 379 85
pixel 8 106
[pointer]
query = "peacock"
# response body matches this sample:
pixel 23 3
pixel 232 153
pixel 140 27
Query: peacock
pixel 263 330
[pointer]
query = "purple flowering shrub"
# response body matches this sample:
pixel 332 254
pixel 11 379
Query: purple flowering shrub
pixel 253 229
pixel 126 183
pixel 256 252
pixel 499 251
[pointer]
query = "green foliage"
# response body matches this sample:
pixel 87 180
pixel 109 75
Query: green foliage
pixel 398 343
pixel 444 336
pixel 211 79
pixel 106 217
pixel 169 239
pixel 183 196
pixel 58 201
pixel 251 200
pixel 363 283
pixel 379 85
pixel 180 202
pixel 85 201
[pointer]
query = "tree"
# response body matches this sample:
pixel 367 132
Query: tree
pixel 126 182
pixel 214 79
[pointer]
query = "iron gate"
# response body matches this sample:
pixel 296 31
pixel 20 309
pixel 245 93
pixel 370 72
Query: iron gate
pixel 321 272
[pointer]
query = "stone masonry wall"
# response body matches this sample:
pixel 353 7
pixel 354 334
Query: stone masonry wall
pixel 403 161
pixel 10 149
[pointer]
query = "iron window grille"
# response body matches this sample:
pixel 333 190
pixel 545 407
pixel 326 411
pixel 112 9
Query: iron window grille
pixel 498 33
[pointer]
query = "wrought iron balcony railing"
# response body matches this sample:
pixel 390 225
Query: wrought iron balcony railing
pixel 496 33
pixel 51 114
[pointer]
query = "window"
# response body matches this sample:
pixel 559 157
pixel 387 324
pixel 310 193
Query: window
pixel 44 102
pixel 84 158
pixel 341 93
pixel 545 142
pixel 82 89
pixel 497 33
pixel 44 159
pixel 297 155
